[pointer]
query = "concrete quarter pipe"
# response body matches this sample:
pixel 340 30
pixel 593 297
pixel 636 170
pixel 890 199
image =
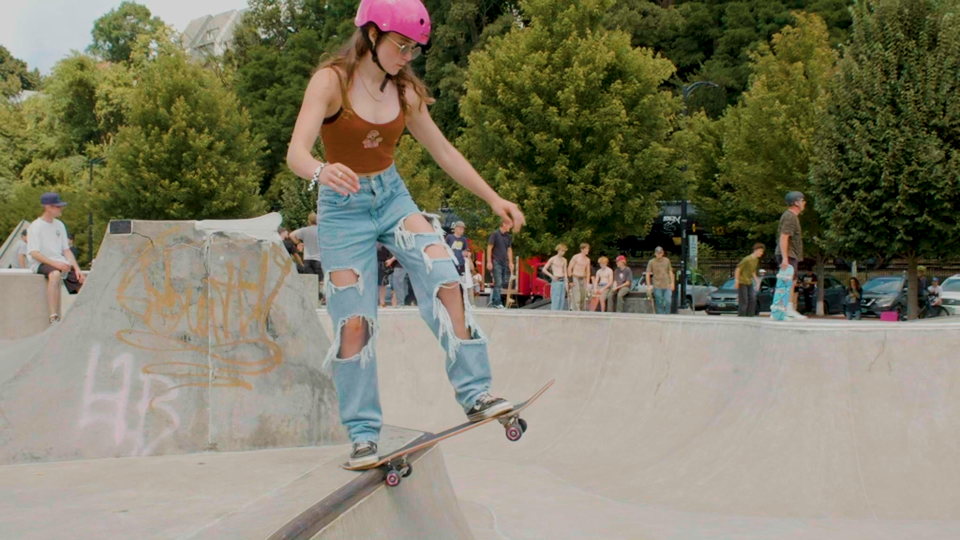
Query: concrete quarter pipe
pixel 686 427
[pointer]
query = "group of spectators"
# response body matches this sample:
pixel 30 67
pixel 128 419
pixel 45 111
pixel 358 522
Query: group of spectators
pixel 572 287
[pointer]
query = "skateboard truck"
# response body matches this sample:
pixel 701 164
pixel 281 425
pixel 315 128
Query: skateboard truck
pixel 513 425
pixel 398 470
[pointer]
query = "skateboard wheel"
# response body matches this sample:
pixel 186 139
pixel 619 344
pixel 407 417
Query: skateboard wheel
pixel 514 433
pixel 408 471
pixel 523 424
pixel 393 479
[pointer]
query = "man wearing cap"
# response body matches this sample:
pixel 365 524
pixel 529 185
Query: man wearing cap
pixel 789 251
pixel 50 253
pixel 458 242
pixel 622 281
pixel 660 281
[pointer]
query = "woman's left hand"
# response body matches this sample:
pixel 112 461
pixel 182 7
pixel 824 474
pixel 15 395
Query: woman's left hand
pixel 510 213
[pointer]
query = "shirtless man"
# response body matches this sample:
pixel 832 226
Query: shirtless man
pixel 556 270
pixel 579 271
pixel 602 282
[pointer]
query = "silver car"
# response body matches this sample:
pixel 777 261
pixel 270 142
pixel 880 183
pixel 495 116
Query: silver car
pixel 698 288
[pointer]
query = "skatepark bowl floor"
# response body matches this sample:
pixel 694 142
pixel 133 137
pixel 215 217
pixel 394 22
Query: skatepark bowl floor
pixel 665 428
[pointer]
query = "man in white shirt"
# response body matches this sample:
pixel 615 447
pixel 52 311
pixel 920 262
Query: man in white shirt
pixel 50 253
pixel 20 251
pixel 311 245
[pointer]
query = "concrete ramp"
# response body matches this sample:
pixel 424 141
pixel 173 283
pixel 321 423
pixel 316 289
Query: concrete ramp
pixel 188 336
pixel 697 428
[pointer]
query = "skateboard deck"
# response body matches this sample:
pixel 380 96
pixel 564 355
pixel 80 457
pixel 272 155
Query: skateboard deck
pixel 594 303
pixel 395 462
pixel 781 294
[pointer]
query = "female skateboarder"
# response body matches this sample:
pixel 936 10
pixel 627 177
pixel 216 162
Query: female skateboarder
pixel 359 103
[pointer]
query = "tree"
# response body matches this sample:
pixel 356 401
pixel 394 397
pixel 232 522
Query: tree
pixel 277 48
pixel 568 120
pixel 768 136
pixel 116 33
pixel 186 150
pixel 886 177
pixel 15 76
pixel 459 27
pixel 714 39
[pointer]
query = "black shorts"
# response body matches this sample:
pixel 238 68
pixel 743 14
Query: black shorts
pixel 311 266
pixel 70 282
pixel 793 262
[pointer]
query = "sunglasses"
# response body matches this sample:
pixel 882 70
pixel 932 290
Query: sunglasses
pixel 413 50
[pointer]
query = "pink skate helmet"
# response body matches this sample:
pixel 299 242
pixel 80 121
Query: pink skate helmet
pixel 406 17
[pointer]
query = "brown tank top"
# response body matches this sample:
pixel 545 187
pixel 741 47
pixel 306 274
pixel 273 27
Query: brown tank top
pixel 363 146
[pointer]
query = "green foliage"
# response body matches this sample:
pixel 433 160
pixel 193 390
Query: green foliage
pixel 886 176
pixel 569 121
pixel 293 198
pixel 767 139
pixel 460 26
pixel 186 150
pixel 277 49
pixel 116 33
pixel 15 76
pixel 414 165
pixel 713 39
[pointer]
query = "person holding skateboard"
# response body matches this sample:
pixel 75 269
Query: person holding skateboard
pixel 556 269
pixel 359 102
pixel 789 251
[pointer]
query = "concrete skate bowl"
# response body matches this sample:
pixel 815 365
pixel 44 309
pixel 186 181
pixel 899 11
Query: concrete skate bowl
pixel 696 428
pixel 188 336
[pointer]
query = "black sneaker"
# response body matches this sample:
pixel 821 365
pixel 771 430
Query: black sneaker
pixel 487 406
pixel 364 453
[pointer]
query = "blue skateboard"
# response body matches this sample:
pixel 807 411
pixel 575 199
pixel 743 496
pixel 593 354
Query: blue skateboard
pixel 781 294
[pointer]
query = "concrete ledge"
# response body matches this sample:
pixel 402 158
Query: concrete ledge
pixel 23 311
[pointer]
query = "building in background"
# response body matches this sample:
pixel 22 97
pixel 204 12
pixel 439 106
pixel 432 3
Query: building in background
pixel 211 35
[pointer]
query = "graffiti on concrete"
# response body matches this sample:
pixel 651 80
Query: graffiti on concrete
pixel 225 316
pixel 111 407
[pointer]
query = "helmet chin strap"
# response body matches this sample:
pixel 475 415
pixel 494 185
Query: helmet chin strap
pixel 376 59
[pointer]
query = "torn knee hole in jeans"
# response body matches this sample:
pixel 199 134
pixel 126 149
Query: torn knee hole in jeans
pixel 406 239
pixel 446 322
pixel 445 254
pixel 365 354
pixel 335 274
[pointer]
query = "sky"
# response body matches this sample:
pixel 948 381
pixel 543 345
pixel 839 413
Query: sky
pixel 41 32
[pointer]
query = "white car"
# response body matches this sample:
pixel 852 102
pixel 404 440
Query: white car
pixel 951 294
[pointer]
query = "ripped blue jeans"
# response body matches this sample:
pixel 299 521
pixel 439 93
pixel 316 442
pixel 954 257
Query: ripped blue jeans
pixel 349 228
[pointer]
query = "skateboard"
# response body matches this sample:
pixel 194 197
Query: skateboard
pixel 396 463
pixel 781 294
pixel 594 303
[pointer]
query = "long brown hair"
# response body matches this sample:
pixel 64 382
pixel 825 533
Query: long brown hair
pixel 346 61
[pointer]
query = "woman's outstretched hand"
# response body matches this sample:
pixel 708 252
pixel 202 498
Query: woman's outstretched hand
pixel 510 213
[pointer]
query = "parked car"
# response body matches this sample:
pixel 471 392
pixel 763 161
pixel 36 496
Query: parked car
pixel 951 295
pixel 884 293
pixel 698 288
pixel 724 300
